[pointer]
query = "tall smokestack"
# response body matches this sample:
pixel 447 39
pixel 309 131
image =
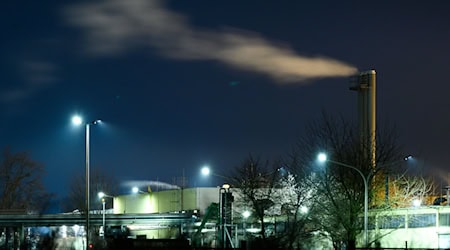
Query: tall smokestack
pixel 365 85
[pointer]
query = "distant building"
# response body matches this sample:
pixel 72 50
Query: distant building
pixel 414 227
pixel 167 201
pixel 422 227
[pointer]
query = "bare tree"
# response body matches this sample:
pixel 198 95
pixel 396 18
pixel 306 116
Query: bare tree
pixel 255 183
pixel 406 188
pixel 296 199
pixel 341 190
pixel 100 181
pixel 21 185
pixel 272 192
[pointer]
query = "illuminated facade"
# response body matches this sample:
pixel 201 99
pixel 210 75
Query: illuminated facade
pixel 424 227
pixel 167 201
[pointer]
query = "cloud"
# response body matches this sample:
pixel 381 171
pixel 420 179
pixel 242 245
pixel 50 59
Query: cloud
pixel 14 95
pixel 115 26
pixel 38 75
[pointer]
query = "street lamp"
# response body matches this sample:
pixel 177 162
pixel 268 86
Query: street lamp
pixel 102 196
pixel 246 214
pixel 136 190
pixel 322 157
pixel 206 171
pixel 225 214
pixel 77 120
pixel 417 202
pixel 304 209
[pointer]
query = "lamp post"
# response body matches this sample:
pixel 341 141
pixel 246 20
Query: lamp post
pixel 225 213
pixel 102 196
pixel 103 219
pixel 77 120
pixel 225 209
pixel 323 158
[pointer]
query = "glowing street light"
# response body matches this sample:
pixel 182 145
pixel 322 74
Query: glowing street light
pixel 417 202
pixel 205 171
pixel 136 190
pixel 304 209
pixel 246 214
pixel 322 157
pixel 102 196
pixel 77 120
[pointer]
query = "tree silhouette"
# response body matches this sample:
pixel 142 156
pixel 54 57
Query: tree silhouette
pixel 340 190
pixel 100 181
pixel 21 185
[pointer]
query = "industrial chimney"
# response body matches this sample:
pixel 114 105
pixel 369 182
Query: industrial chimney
pixel 365 85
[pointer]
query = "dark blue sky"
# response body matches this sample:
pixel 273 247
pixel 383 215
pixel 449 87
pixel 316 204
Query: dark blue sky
pixel 180 84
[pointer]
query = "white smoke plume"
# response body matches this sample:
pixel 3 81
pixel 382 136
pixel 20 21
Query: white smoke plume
pixel 144 184
pixel 115 26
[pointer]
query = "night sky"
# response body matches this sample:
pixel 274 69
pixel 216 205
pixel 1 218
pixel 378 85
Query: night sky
pixel 180 84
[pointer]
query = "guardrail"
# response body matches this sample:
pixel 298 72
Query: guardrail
pixel 95 219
